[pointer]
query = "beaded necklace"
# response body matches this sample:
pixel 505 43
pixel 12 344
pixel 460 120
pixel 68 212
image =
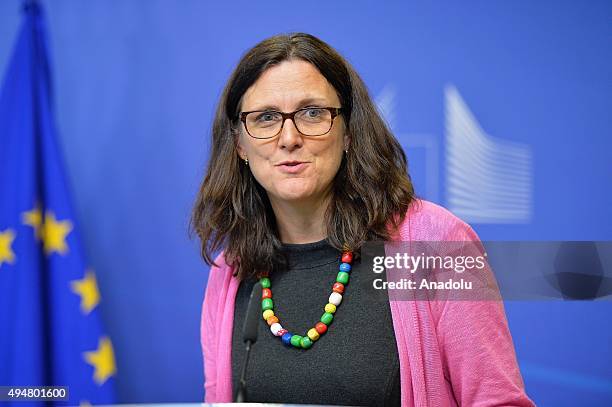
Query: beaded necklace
pixel 313 334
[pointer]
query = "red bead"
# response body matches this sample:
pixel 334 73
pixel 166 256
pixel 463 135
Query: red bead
pixel 281 332
pixel 338 287
pixel 347 257
pixel 321 328
pixel 266 293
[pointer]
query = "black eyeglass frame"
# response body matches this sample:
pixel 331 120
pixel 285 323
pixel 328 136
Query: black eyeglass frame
pixel 335 111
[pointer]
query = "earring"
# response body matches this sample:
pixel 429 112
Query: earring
pixel 246 161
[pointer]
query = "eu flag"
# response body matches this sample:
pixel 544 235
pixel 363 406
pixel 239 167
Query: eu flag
pixel 50 325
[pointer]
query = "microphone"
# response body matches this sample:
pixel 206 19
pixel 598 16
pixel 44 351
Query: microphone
pixel 249 334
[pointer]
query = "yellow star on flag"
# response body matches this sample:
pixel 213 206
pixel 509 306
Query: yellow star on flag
pixel 87 288
pixel 103 361
pixel 6 251
pixel 54 234
pixel 33 218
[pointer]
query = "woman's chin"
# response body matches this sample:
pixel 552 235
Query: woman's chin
pixel 294 196
pixel 294 193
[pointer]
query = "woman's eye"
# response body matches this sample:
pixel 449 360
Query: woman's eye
pixel 266 117
pixel 313 113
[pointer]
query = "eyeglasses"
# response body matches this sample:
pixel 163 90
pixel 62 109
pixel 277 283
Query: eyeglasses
pixel 310 121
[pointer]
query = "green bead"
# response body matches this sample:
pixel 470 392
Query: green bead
pixel 267 303
pixel 265 282
pixel 296 340
pixel 342 277
pixel 327 318
pixel 305 342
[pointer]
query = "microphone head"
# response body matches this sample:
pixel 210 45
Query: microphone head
pixel 249 330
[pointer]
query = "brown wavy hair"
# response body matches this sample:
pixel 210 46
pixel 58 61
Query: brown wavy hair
pixel 371 191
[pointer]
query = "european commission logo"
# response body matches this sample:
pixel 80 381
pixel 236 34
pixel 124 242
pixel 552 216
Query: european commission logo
pixel 487 179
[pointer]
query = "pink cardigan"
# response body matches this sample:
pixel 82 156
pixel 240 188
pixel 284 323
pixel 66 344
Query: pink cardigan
pixel 451 353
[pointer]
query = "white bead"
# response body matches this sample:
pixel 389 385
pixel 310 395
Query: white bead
pixel 335 298
pixel 275 327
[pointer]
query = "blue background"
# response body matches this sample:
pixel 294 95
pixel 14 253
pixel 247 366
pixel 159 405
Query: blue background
pixel 136 85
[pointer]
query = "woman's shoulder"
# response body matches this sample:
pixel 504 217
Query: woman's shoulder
pixel 426 220
pixel 220 273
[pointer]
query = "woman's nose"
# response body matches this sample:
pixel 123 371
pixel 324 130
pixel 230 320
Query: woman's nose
pixel 290 138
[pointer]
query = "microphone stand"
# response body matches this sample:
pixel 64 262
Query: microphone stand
pixel 249 333
pixel 241 394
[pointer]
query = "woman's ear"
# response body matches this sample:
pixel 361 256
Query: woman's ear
pixel 347 141
pixel 238 145
pixel 240 150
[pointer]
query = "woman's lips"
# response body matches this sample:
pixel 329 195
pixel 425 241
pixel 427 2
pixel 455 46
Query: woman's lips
pixel 293 167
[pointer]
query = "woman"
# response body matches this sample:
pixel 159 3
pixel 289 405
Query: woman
pixel 303 172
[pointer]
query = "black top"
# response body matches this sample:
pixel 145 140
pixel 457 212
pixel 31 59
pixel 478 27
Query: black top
pixel 354 363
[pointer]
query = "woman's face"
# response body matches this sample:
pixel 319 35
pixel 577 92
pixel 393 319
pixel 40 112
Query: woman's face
pixel 292 167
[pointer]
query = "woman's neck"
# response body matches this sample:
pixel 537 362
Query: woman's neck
pixel 300 222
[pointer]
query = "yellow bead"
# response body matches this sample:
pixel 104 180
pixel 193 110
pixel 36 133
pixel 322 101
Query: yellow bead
pixel 313 334
pixel 331 308
pixel 267 314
